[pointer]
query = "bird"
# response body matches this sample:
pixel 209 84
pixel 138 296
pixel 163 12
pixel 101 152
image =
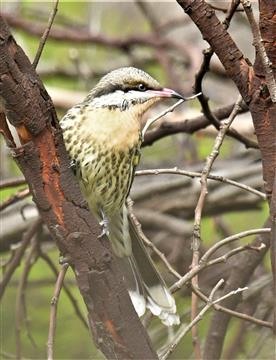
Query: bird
pixel 103 137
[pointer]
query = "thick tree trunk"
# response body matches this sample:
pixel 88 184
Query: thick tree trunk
pixel 116 328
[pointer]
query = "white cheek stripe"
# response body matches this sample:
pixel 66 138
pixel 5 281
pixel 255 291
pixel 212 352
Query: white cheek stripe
pixel 113 99
pixel 120 99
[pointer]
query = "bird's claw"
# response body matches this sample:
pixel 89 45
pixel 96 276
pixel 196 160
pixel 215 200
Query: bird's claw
pixel 73 166
pixel 104 225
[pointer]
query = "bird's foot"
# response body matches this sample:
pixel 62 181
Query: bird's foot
pixel 73 166
pixel 104 225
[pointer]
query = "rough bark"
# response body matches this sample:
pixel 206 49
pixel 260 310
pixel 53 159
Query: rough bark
pixel 265 124
pixel 116 328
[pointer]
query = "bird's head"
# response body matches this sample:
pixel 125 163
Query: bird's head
pixel 128 89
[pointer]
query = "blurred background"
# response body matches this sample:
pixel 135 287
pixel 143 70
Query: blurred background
pixel 87 40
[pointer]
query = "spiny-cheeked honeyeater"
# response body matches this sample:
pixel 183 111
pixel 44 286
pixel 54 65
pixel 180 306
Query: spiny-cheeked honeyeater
pixel 103 138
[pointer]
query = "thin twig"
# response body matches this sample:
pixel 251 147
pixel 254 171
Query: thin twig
pixel 232 238
pixel 225 125
pixel 45 34
pixel 20 195
pixel 66 289
pixel 9 183
pixel 5 130
pixel 148 242
pixel 185 329
pixel 207 55
pixel 194 174
pixel 258 43
pixel 224 10
pixel 192 125
pixel 53 311
pixel 203 262
pixel 20 304
pixel 15 262
pixel 273 249
pixel 233 252
pixel 165 112
pixel 72 35
pixel 204 101
pixel 237 314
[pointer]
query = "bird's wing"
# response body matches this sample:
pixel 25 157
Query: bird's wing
pixel 118 224
pixel 118 228
pixel 135 162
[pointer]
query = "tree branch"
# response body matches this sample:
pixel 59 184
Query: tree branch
pixel 242 270
pixel 53 311
pixel 116 328
pixel 190 126
pixel 72 35
pixel 186 328
pixel 19 253
pixel 45 34
pixel 267 64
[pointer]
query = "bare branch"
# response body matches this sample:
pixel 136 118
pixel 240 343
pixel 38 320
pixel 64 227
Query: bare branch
pixel 9 183
pixel 5 130
pixel 148 242
pixel 204 101
pixel 45 34
pixel 66 289
pixel 243 267
pixel 72 35
pixel 199 208
pixel 19 253
pixel 166 111
pixel 20 304
pixel 194 174
pixel 237 314
pixel 235 251
pixel 53 311
pixel 20 195
pixel 185 329
pixel 190 126
pixel 258 43
pixel 232 238
pixel 203 261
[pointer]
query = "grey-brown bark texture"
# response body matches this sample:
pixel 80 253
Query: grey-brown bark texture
pixel 116 328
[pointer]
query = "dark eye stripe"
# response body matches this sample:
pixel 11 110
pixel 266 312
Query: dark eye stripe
pixel 113 87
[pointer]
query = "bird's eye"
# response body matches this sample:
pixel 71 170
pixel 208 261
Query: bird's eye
pixel 142 87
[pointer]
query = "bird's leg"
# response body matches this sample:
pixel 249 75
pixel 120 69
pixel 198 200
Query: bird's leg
pixel 73 165
pixel 104 224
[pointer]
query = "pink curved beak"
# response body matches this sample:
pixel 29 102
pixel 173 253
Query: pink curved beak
pixel 165 93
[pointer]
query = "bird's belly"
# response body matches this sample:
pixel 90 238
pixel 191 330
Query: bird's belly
pixel 105 179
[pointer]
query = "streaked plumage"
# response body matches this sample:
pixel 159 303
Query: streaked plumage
pixel 103 138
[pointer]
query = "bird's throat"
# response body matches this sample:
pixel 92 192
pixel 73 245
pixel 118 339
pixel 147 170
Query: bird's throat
pixel 117 129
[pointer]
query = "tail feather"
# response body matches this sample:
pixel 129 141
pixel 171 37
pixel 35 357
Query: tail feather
pixel 158 298
pixel 146 287
pixel 134 284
